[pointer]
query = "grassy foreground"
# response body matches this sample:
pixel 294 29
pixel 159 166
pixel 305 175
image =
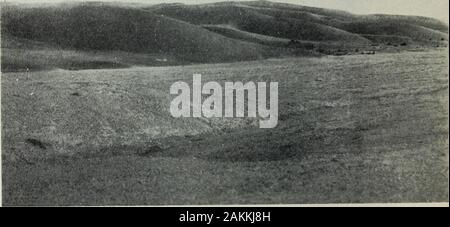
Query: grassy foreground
pixel 371 128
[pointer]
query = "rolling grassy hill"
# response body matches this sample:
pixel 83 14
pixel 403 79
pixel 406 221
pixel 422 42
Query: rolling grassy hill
pixel 99 35
pixel 235 33
pixel 256 21
pixel 99 27
pixel 305 23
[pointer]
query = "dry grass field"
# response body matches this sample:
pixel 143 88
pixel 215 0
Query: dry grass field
pixel 357 128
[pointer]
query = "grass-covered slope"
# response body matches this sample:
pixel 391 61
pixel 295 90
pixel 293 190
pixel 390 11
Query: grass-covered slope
pixel 306 23
pixel 109 28
pixel 113 35
pixel 256 21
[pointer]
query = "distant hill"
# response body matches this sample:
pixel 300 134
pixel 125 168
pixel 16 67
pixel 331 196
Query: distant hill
pixel 95 27
pixel 256 21
pixel 305 23
pixel 168 34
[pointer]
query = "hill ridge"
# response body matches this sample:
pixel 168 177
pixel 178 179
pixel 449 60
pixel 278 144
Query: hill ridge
pixel 185 34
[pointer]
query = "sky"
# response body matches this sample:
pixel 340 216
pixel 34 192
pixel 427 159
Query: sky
pixel 429 8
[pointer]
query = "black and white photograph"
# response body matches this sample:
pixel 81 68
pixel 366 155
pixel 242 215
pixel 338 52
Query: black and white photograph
pixel 224 103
